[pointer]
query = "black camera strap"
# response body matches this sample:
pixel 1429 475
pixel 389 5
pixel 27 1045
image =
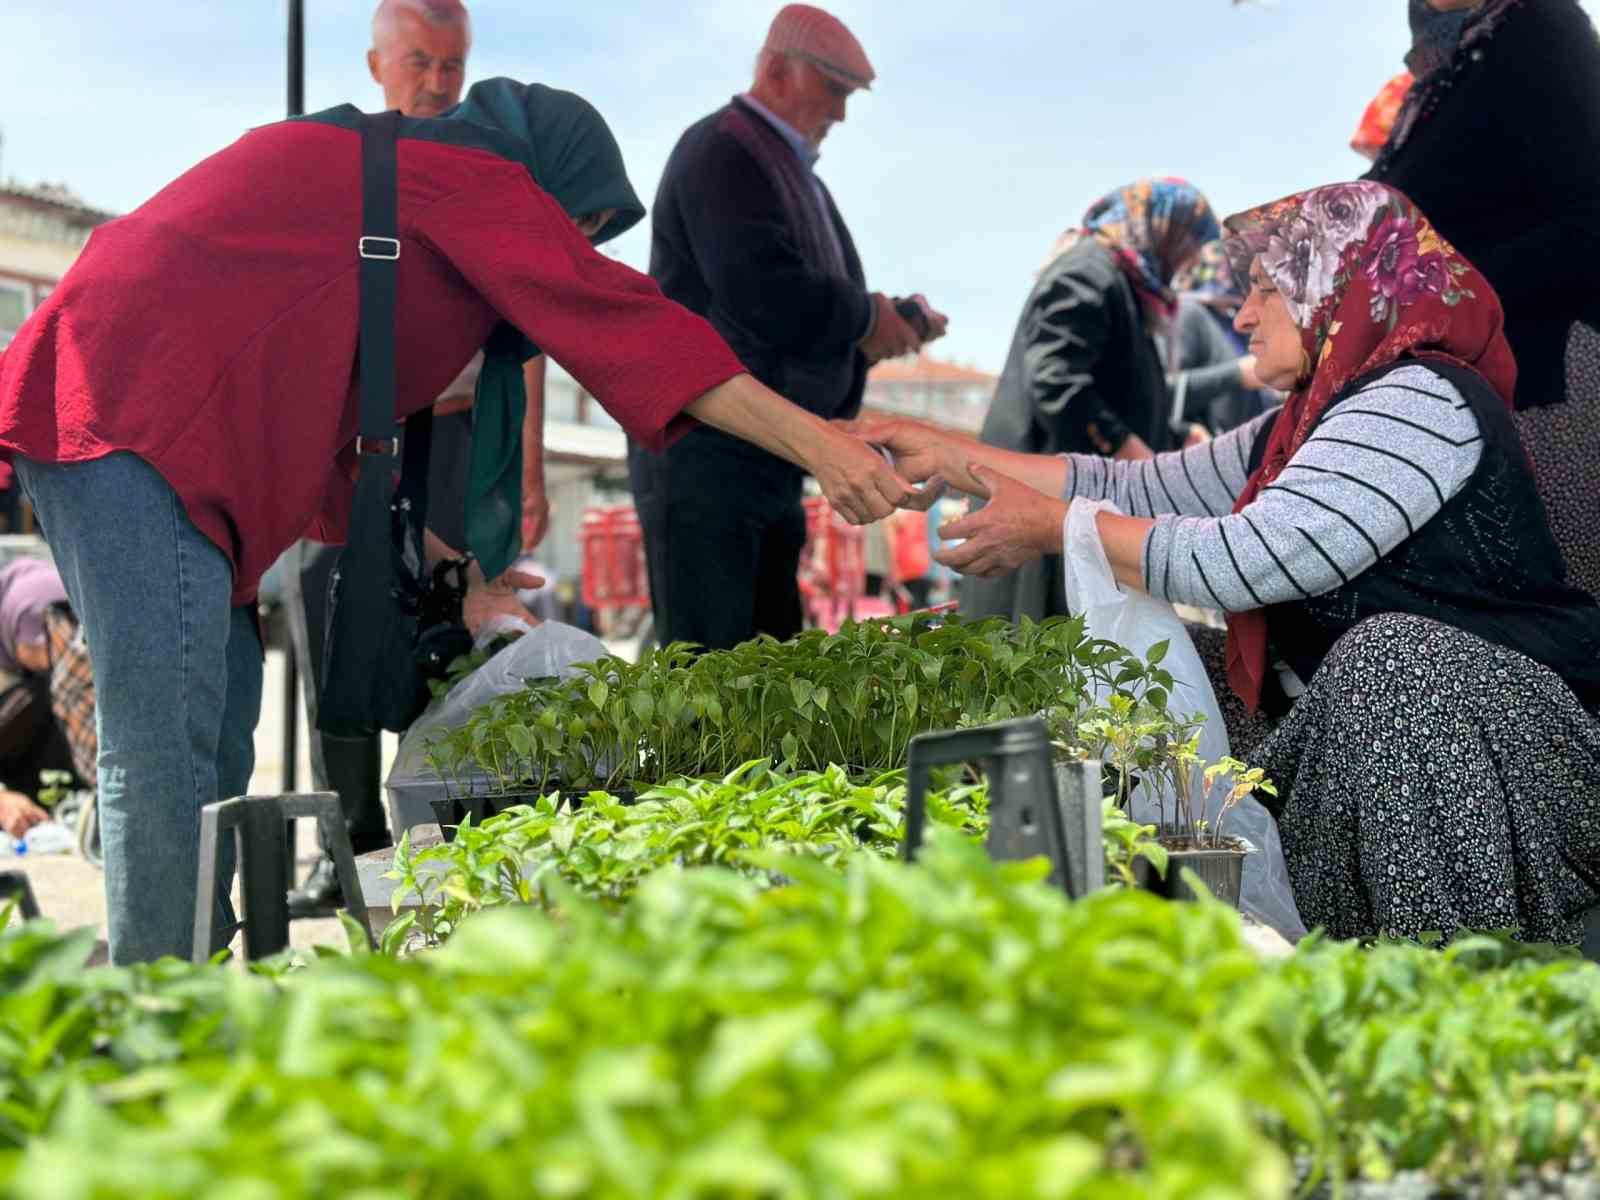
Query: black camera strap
pixel 379 252
pixel 382 567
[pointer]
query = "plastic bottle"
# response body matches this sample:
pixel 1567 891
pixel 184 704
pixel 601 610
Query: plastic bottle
pixel 48 837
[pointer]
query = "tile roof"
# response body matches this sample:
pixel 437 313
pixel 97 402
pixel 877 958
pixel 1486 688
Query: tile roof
pixel 924 368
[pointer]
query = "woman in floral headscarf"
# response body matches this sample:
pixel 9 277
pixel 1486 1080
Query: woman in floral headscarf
pixel 1396 603
pixel 1212 378
pixel 1084 374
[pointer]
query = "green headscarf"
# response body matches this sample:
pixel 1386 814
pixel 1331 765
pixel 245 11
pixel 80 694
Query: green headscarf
pixel 569 150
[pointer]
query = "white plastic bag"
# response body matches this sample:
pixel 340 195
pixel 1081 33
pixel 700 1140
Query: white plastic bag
pixel 1138 621
pixel 502 624
pixel 550 649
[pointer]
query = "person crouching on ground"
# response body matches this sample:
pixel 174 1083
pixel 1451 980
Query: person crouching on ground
pixel 31 740
pixel 1396 603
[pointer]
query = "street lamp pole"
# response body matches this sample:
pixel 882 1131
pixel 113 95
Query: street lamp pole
pixel 297 57
pixel 291 673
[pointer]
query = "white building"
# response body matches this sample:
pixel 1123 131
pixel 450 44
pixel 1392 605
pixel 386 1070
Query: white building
pixel 931 389
pixel 42 229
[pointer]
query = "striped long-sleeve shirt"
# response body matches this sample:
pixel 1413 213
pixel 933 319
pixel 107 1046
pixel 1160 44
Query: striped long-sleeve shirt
pixel 1380 465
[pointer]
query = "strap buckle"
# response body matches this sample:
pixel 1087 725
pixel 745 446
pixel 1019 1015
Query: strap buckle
pixel 386 447
pixel 386 249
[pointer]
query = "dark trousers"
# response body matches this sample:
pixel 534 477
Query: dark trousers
pixel 349 766
pixel 30 739
pixel 723 531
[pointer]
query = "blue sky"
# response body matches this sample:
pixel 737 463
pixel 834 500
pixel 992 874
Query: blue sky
pixel 993 124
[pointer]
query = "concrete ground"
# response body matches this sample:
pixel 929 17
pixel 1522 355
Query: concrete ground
pixel 71 893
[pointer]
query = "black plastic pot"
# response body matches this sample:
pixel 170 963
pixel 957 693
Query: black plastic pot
pixel 1220 869
pixel 450 811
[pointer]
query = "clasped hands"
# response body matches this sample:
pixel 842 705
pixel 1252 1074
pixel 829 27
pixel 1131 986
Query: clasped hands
pixel 1018 523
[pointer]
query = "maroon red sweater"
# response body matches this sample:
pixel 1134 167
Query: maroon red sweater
pixel 212 331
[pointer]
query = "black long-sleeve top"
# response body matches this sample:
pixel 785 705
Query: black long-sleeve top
pixel 1504 166
pixel 724 245
pixel 1081 377
pixel 1082 374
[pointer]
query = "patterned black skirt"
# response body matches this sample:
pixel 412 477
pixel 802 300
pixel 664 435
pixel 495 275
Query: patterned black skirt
pixel 1563 442
pixel 1430 781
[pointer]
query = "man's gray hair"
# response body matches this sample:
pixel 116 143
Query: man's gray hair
pixel 436 12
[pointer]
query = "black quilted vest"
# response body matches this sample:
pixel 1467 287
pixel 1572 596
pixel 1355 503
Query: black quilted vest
pixel 1486 563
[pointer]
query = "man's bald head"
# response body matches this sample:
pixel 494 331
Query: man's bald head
pixel 419 54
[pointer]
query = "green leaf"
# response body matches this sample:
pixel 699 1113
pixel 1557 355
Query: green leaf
pixel 396 932
pixel 355 934
pixel 521 740
pixel 742 1047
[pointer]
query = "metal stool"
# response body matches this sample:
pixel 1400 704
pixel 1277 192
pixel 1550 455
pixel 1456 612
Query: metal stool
pixel 15 885
pixel 1036 808
pixel 258 824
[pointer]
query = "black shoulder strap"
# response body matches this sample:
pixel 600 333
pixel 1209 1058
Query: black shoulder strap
pixel 371 536
pixel 379 250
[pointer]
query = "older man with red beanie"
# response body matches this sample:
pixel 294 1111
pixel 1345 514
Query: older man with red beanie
pixel 745 234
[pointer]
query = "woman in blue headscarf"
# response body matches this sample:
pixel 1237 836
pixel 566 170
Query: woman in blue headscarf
pixel 1084 375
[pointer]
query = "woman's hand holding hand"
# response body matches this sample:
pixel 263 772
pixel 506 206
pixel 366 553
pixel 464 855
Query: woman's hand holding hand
pixel 923 453
pixel 854 477
pixel 1016 526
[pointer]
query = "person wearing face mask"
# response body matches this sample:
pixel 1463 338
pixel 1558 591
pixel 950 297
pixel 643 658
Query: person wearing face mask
pixel 174 449
pixel 1397 606
pixel 1497 142
pixel 746 234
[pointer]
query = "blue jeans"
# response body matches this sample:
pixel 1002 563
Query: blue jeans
pixel 177 675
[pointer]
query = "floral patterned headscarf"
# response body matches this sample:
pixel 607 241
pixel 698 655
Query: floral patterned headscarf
pixel 1152 227
pixel 1369 281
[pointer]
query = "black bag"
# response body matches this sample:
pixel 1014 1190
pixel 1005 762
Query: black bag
pixel 391 627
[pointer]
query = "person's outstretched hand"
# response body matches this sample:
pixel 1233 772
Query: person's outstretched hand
pixel 923 453
pixel 489 598
pixel 18 814
pixel 1015 527
pixel 856 479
